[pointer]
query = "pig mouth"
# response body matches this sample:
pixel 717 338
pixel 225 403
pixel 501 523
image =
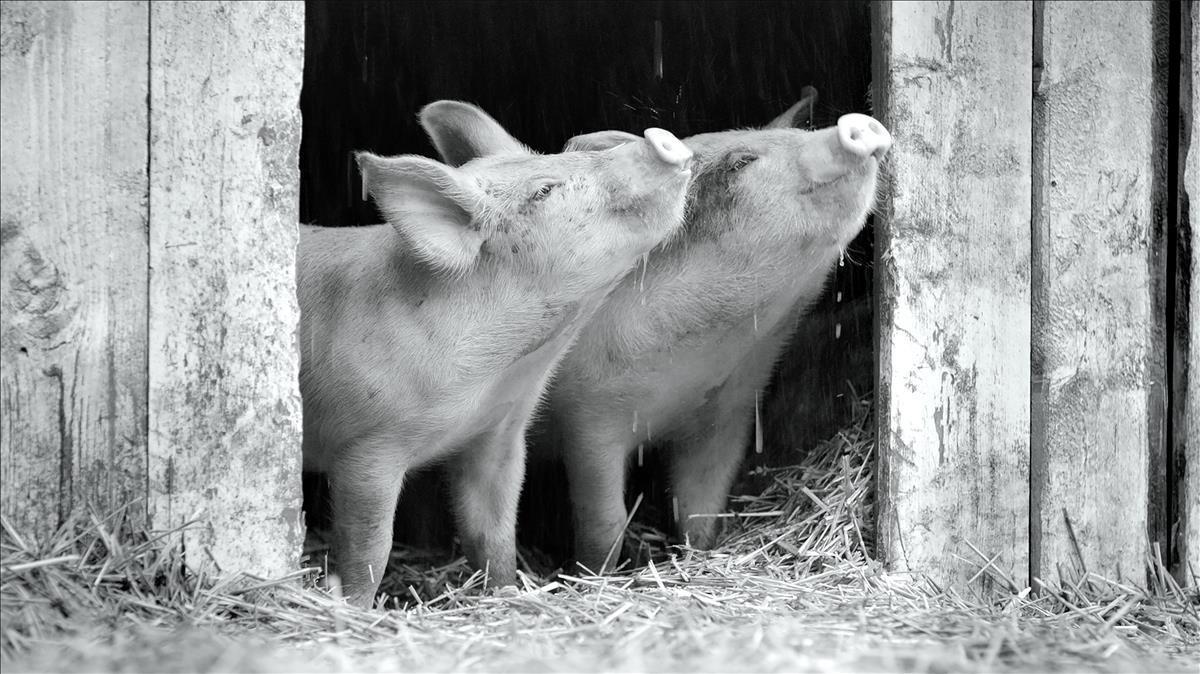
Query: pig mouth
pixel 862 170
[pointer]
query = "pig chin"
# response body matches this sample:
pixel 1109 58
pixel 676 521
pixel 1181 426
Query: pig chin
pixel 654 186
pixel 654 214
pixel 846 179
pixel 854 198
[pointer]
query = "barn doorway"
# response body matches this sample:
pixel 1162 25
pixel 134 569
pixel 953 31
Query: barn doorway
pixel 550 70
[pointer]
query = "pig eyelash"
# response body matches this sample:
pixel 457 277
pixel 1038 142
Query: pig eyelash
pixel 543 191
pixel 742 162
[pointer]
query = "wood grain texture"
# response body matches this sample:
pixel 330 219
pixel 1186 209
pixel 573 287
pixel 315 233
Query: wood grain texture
pixel 224 399
pixel 953 267
pixel 1098 341
pixel 1189 500
pixel 73 270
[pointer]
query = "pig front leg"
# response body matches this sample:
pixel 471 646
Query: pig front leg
pixel 704 463
pixel 364 485
pixel 486 477
pixel 595 463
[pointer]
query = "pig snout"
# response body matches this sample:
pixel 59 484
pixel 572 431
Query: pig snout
pixel 668 148
pixel 861 135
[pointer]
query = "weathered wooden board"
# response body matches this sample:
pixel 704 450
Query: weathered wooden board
pixel 1189 500
pixel 73 238
pixel 1098 341
pixel 953 82
pixel 224 399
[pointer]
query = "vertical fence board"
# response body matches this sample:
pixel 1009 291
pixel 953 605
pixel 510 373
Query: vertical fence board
pixel 73 242
pixel 953 263
pixel 1098 340
pixel 1189 500
pixel 224 399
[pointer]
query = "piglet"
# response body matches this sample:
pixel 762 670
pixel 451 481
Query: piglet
pixel 679 352
pixel 431 338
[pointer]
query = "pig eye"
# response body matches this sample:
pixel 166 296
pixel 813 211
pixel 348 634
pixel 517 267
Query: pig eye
pixel 544 191
pixel 742 162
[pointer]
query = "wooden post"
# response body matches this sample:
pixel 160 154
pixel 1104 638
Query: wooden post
pixel 1189 499
pixel 224 400
pixel 1099 335
pixel 73 276
pixel 953 267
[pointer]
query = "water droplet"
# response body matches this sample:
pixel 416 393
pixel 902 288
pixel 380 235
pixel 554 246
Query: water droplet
pixel 640 448
pixel 758 438
pixel 837 331
pixel 839 296
pixel 635 421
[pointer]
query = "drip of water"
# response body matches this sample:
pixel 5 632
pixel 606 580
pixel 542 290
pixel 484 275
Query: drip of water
pixel 756 304
pixel 658 51
pixel 837 331
pixel 640 448
pixel 642 281
pixel 635 421
pixel 842 259
pixel 758 436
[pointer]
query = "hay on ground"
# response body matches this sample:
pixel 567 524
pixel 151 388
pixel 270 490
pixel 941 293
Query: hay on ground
pixel 793 587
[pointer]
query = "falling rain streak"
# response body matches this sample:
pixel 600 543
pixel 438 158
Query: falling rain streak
pixel 658 52
pixel 758 435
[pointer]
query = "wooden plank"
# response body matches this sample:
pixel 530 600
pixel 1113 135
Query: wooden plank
pixel 73 86
pixel 953 265
pixel 1098 340
pixel 1189 498
pixel 224 399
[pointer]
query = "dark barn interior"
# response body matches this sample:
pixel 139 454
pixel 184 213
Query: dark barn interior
pixel 550 70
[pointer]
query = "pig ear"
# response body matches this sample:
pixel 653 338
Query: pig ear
pixel 429 203
pixel 462 132
pixel 800 115
pixel 600 140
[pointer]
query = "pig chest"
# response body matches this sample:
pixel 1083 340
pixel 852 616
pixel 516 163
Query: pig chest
pixel 738 357
pixel 683 379
pixel 672 381
pixel 507 398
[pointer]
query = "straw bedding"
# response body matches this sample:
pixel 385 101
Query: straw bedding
pixel 792 588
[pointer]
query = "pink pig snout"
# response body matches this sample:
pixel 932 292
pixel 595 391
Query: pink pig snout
pixel 862 136
pixel 667 147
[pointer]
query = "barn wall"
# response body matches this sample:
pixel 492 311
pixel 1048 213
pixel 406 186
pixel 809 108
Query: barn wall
pixel 150 178
pixel 73 275
pixel 991 308
pixel 224 364
pixel 1099 327
pixel 953 267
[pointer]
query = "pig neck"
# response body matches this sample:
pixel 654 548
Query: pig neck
pixel 696 291
pixel 496 317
